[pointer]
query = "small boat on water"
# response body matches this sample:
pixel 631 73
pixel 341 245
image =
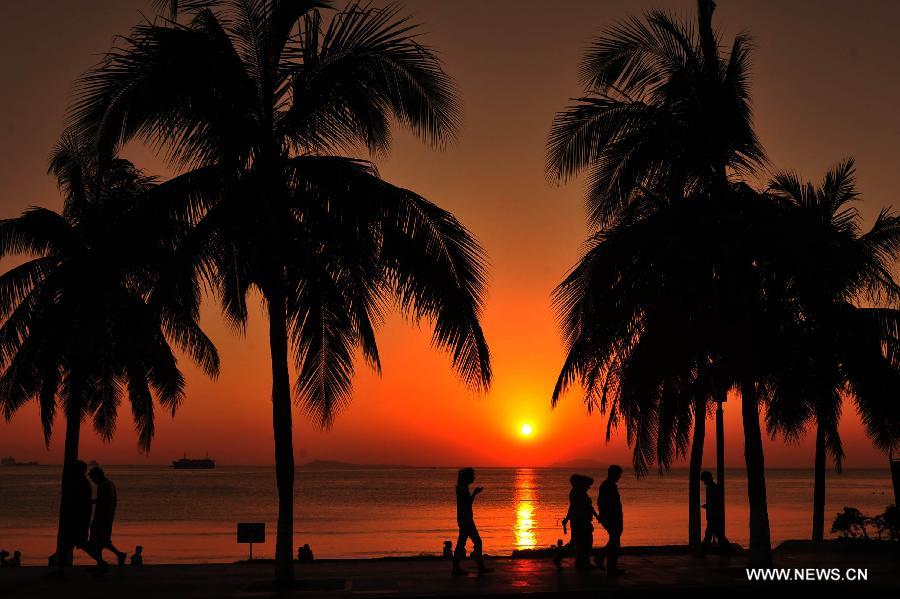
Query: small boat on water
pixel 187 463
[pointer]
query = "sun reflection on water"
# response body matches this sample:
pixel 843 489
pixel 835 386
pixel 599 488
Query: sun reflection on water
pixel 526 526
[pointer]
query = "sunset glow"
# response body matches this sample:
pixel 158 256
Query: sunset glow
pixel 444 299
pixel 532 232
pixel 526 525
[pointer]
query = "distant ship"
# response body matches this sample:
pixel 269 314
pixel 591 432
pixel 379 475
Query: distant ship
pixel 187 463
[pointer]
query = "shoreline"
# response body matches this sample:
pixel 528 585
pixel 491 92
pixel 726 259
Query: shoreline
pixel 791 546
pixel 836 547
pixel 647 573
pixel 311 467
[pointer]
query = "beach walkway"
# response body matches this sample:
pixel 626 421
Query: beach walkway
pixel 646 575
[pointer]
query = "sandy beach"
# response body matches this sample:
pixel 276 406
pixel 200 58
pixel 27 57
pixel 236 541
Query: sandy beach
pixel 648 573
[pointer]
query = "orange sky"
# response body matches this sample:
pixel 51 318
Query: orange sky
pixel 824 88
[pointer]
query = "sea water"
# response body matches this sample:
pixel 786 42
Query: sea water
pixel 191 515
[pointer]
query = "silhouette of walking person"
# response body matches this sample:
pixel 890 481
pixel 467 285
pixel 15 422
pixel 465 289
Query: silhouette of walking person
pixel 104 515
pixel 465 519
pixel 609 506
pixel 581 514
pixel 715 513
pixel 75 516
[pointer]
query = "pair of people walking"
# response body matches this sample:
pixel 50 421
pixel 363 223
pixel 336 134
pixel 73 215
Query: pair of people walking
pixel 79 529
pixel 581 514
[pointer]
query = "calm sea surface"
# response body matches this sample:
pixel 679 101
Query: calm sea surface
pixel 190 516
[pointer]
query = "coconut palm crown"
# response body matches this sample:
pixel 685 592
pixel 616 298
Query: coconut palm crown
pixel 259 103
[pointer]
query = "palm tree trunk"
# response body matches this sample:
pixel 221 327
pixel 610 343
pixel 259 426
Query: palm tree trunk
pixel 895 475
pixel 720 451
pixel 818 525
pixel 284 443
pixel 694 524
pixel 760 554
pixel 70 456
pixel 708 42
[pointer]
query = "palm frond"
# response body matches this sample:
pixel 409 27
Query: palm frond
pixel 365 66
pixel 184 88
pixel 38 231
pixel 322 335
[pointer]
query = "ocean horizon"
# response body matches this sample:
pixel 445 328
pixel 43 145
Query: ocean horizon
pixel 574 466
pixel 368 511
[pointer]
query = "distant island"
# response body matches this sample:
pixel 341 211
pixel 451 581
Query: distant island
pixel 11 461
pixel 578 463
pixel 334 465
pixel 585 463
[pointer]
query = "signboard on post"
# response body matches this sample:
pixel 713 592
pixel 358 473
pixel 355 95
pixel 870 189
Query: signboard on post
pixel 251 532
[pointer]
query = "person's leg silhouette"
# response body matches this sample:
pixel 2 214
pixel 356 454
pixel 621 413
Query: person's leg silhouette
pixel 707 538
pixel 612 553
pixel 476 551
pixel 459 552
pixel 583 547
pixel 120 555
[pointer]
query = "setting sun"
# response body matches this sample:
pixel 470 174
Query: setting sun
pixel 526 430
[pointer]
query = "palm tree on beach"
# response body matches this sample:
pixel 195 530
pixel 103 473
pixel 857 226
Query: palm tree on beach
pixel 90 317
pixel 665 310
pixel 666 116
pixel 259 102
pixel 838 267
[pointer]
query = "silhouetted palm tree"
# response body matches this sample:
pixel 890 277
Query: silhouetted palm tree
pixel 837 266
pixel 674 305
pixel 88 318
pixel 666 116
pixel 664 112
pixel 258 98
